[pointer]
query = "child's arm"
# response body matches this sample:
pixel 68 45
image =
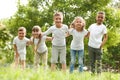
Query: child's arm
pixel 67 34
pixel 47 32
pixel 15 49
pixel 31 40
pixel 104 40
pixel 32 43
pixel 49 38
pixel 87 35
pixel 28 42
pixel 70 30
pixel 72 25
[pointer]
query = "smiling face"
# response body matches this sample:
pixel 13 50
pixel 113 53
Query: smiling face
pixel 79 23
pixel 100 17
pixel 21 33
pixel 36 31
pixel 58 19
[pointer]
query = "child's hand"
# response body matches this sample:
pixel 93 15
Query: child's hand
pixel 17 55
pixel 52 38
pixel 35 49
pixel 28 43
pixel 101 45
pixel 49 38
pixel 72 25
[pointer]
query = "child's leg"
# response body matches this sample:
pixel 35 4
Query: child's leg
pixel 92 58
pixel 64 67
pixel 54 57
pixel 22 61
pixel 80 59
pixel 53 66
pixel 73 59
pixel 16 60
pixel 63 57
pixel 98 60
pixel 23 64
pixel 44 59
pixel 36 60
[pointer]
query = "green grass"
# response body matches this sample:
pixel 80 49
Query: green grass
pixel 7 73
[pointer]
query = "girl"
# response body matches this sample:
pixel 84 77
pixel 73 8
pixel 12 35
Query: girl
pixel 40 47
pixel 78 32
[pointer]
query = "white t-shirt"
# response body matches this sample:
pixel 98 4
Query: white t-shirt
pixel 58 34
pixel 96 34
pixel 42 46
pixel 78 39
pixel 21 44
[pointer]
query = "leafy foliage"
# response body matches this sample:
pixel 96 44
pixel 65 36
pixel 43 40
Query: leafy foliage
pixel 114 51
pixel 40 12
pixel 5 43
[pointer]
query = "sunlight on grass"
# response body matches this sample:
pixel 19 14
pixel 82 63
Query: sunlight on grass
pixel 7 73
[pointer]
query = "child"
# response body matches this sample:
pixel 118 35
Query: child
pixel 40 47
pixel 78 32
pixel 20 43
pixel 97 37
pixel 58 31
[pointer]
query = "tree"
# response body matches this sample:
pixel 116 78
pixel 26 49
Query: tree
pixel 40 12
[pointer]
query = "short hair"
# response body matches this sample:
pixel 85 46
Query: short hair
pixel 22 29
pixel 36 28
pixel 101 12
pixel 58 14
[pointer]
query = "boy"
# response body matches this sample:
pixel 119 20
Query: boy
pixel 20 43
pixel 58 31
pixel 97 37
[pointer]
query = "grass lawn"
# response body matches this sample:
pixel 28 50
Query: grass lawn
pixel 8 73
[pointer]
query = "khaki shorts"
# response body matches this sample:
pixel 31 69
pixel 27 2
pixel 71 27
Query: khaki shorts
pixel 58 51
pixel 41 57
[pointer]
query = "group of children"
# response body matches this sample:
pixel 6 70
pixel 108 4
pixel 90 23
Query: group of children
pixel 97 34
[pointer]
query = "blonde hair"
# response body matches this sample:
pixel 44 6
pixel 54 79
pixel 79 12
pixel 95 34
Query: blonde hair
pixel 82 20
pixel 36 28
pixel 22 29
pixel 58 14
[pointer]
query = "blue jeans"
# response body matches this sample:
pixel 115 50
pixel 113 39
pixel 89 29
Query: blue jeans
pixel 73 59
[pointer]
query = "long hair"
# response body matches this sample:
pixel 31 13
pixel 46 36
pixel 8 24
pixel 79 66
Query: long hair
pixel 37 29
pixel 72 25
